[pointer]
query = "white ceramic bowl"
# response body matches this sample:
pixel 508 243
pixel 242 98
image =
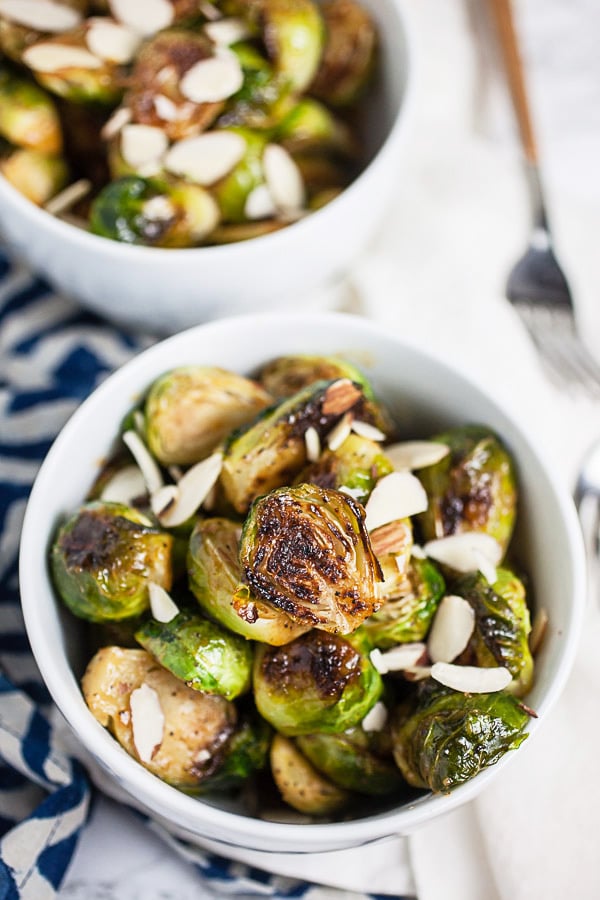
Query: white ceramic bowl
pixel 424 395
pixel 167 290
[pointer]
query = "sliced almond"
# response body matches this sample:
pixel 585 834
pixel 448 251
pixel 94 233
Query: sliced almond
pixel 227 31
pixel 340 432
pixel 463 552
pixel 471 679
pixel 312 443
pixel 163 499
pixel 539 627
pixel 209 10
pixel 416 454
pixel 41 15
pixel 390 538
pixel 44 57
pixel 398 658
pixel 340 397
pixel 193 489
pixel 486 567
pixel 395 496
pixel 144 459
pixel 144 16
pixel 143 144
pixel 355 493
pixel 417 552
pixel 158 209
pixel 112 41
pixel 212 80
pixel 376 718
pixel 284 179
pixel 259 203
pixel 366 430
pixel 116 123
pixel 451 629
pixel 417 673
pixel 127 484
pixel 162 605
pixel 207 157
pixel 68 197
pixel 147 721
pixel 165 108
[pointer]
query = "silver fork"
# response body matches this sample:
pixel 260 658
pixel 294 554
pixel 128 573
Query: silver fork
pixel 537 286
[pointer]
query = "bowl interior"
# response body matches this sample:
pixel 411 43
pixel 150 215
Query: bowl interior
pixel 423 396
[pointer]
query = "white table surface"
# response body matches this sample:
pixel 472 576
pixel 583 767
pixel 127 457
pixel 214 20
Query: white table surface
pixel 458 219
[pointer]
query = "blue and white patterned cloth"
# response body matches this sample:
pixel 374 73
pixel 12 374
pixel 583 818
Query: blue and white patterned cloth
pixel 52 355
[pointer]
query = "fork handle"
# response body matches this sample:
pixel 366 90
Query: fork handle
pixel 509 44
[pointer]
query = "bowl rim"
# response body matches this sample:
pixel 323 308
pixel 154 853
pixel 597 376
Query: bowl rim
pixel 186 810
pixel 134 253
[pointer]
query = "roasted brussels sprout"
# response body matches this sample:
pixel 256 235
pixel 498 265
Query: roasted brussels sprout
pixel 201 653
pixel 408 617
pixel 28 117
pixel 103 559
pixel 310 127
pixel 190 410
pixel 287 375
pixel 317 683
pixel 38 176
pixel 355 467
pixel 246 752
pixel 502 625
pixel 300 784
pixel 264 97
pixel 448 737
pixel 232 191
pixel 349 54
pixel 473 488
pixel 215 576
pixel 155 213
pixel 306 551
pixel 179 734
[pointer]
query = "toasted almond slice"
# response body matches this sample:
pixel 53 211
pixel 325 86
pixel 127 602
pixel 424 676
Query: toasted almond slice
pixel 165 108
pixel 144 16
pixel 471 679
pixel 158 209
pixel 398 658
pixel 41 15
pixel 162 605
pixel 487 568
pixel 227 31
pixel 259 203
pixel 163 499
pixel 395 496
pixel 417 673
pixel 112 41
pixel 418 552
pixel 355 493
pixel 44 57
pixel 144 459
pixel 147 721
pixel 364 429
pixel 67 198
pixel 143 144
pixel 117 121
pixel 283 178
pixel 451 629
pixel 212 80
pixel 313 444
pixel 340 432
pixel 193 488
pixel 376 718
pixel 416 454
pixel 539 627
pixel 339 397
pixel 390 538
pixel 127 484
pixel 463 552
pixel 207 157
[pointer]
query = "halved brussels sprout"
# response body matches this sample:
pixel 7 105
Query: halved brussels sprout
pixel 28 117
pixel 247 752
pixel 473 488
pixel 311 127
pixel 349 55
pixel 317 683
pixel 190 410
pixel 502 625
pixel 233 190
pixel 352 761
pixel 103 558
pixel 408 617
pixel 37 176
pixel 155 213
pixel 192 744
pixel 301 786
pixel 287 375
pixel 270 453
pixel 215 577
pixel 449 737
pixel 306 551
pixel 264 97
pixel 201 653
pixel 355 466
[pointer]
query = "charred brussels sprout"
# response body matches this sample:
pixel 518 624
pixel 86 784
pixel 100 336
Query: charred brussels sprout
pixel 200 653
pixel 285 376
pixel 502 625
pixel 306 551
pixel 190 410
pixel 28 117
pixel 349 55
pixel 472 489
pixel 408 617
pixel 146 211
pixel 247 752
pixel 301 785
pixel 103 559
pixel 317 683
pixel 215 577
pixel 37 176
pixel 450 737
pixel 190 730
pixel 354 467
